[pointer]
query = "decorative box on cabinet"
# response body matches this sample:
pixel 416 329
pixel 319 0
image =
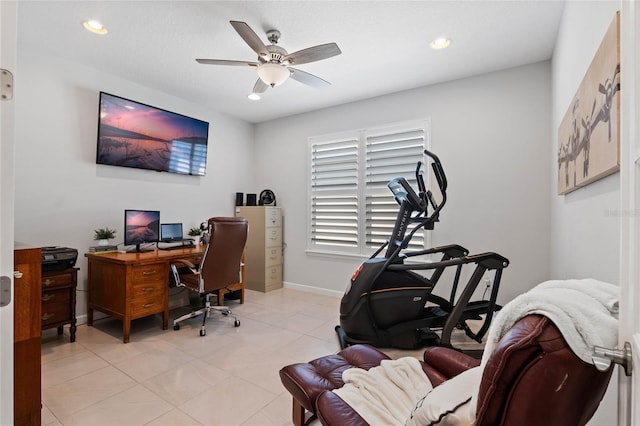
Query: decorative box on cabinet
pixel 26 336
pixel 263 254
pixel 59 300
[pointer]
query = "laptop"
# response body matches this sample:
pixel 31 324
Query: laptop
pixel 172 233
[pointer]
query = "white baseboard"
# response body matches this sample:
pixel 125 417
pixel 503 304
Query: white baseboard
pixel 311 289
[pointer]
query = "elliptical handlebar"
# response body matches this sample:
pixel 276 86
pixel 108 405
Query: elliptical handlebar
pixel 411 202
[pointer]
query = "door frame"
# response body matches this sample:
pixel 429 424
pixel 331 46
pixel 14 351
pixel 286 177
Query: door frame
pixel 8 48
pixel 629 328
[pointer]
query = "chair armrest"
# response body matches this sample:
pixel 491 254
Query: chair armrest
pixel 186 263
pixel 333 411
pixel 448 361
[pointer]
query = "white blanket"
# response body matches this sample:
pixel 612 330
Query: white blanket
pixel 585 311
pixel 386 394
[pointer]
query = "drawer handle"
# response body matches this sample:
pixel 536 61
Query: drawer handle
pixel 48 282
pixel 148 290
pixel 149 272
pixel 47 297
pixel 148 305
pixel 17 274
pixel 47 316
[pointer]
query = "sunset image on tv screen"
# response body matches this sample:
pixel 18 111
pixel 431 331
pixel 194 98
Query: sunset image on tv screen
pixel 131 134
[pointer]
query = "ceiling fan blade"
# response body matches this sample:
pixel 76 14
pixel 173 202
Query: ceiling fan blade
pixel 260 87
pixel 312 54
pixel 226 62
pixel 250 37
pixel 308 79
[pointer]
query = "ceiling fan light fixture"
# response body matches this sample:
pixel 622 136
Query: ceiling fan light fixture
pixel 273 74
pixel 254 96
pixel 440 43
pixel 94 26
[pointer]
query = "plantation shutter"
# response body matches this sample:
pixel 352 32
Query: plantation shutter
pixel 351 209
pixel 390 152
pixel 334 193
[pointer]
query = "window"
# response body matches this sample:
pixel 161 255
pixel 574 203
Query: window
pixel 351 210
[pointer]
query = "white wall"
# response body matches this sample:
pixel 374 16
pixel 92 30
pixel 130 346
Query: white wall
pixel 491 133
pixel 585 225
pixel 62 195
pixel 585 229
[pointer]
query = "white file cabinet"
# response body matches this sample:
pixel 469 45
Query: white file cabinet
pixel 263 253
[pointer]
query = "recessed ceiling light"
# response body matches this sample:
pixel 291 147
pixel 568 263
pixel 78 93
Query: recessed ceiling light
pixel 254 96
pixel 94 26
pixel 440 43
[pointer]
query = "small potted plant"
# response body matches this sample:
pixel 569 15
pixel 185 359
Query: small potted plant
pixel 196 233
pixel 103 235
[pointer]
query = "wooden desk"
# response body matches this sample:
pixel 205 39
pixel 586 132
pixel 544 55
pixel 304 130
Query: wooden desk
pixel 128 286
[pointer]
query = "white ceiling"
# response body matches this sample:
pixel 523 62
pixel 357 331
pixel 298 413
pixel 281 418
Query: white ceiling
pixel 385 45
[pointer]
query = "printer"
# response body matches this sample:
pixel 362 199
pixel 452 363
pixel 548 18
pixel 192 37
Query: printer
pixel 58 258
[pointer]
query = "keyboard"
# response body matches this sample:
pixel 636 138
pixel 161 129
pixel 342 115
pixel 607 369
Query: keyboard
pixel 183 246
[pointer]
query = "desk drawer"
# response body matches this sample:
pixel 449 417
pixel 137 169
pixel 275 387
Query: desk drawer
pixel 143 306
pixel 55 312
pixel 146 273
pixel 58 280
pixel 153 289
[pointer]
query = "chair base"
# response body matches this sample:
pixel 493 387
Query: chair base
pixel 206 311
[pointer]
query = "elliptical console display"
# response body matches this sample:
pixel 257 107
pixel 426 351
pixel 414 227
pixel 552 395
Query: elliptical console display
pixel 389 304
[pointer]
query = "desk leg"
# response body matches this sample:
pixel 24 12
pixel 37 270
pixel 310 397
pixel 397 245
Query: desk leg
pixel 89 317
pixel 126 330
pixel 165 318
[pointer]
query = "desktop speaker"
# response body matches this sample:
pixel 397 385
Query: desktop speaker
pixel 239 198
pixel 251 199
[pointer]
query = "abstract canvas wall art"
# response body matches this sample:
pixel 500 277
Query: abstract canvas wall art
pixel 589 134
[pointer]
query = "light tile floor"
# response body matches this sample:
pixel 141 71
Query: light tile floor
pixel 167 377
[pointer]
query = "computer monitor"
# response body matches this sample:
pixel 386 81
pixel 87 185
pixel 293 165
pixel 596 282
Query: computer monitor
pixel 141 227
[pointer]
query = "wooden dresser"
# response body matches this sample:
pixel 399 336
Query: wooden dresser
pixel 128 286
pixel 59 300
pixel 27 334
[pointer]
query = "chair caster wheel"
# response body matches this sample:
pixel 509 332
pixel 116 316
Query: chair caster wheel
pixel 236 323
pixel 176 327
pixel 203 332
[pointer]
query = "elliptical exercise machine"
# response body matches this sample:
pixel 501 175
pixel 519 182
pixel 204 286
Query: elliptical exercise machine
pixel 387 304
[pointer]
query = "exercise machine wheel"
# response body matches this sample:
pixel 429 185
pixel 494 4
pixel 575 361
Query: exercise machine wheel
pixel 236 323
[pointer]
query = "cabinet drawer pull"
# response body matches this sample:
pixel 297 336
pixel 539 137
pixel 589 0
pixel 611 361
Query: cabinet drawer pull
pixel 153 272
pixel 148 290
pixel 47 297
pixel 47 316
pixel 48 282
pixel 148 305
pixel 17 274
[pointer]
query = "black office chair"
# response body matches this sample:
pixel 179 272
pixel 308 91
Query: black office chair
pixel 219 269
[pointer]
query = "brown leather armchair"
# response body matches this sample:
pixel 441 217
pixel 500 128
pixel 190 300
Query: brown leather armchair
pixel 532 378
pixel 220 270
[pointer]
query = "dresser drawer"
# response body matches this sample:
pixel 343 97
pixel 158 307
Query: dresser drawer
pixel 55 296
pixel 54 313
pixel 146 273
pixel 143 306
pixel 57 280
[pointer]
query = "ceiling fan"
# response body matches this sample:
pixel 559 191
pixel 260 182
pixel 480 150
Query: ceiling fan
pixel 274 64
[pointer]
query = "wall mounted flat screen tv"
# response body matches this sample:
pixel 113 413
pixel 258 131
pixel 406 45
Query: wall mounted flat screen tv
pixel 132 134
